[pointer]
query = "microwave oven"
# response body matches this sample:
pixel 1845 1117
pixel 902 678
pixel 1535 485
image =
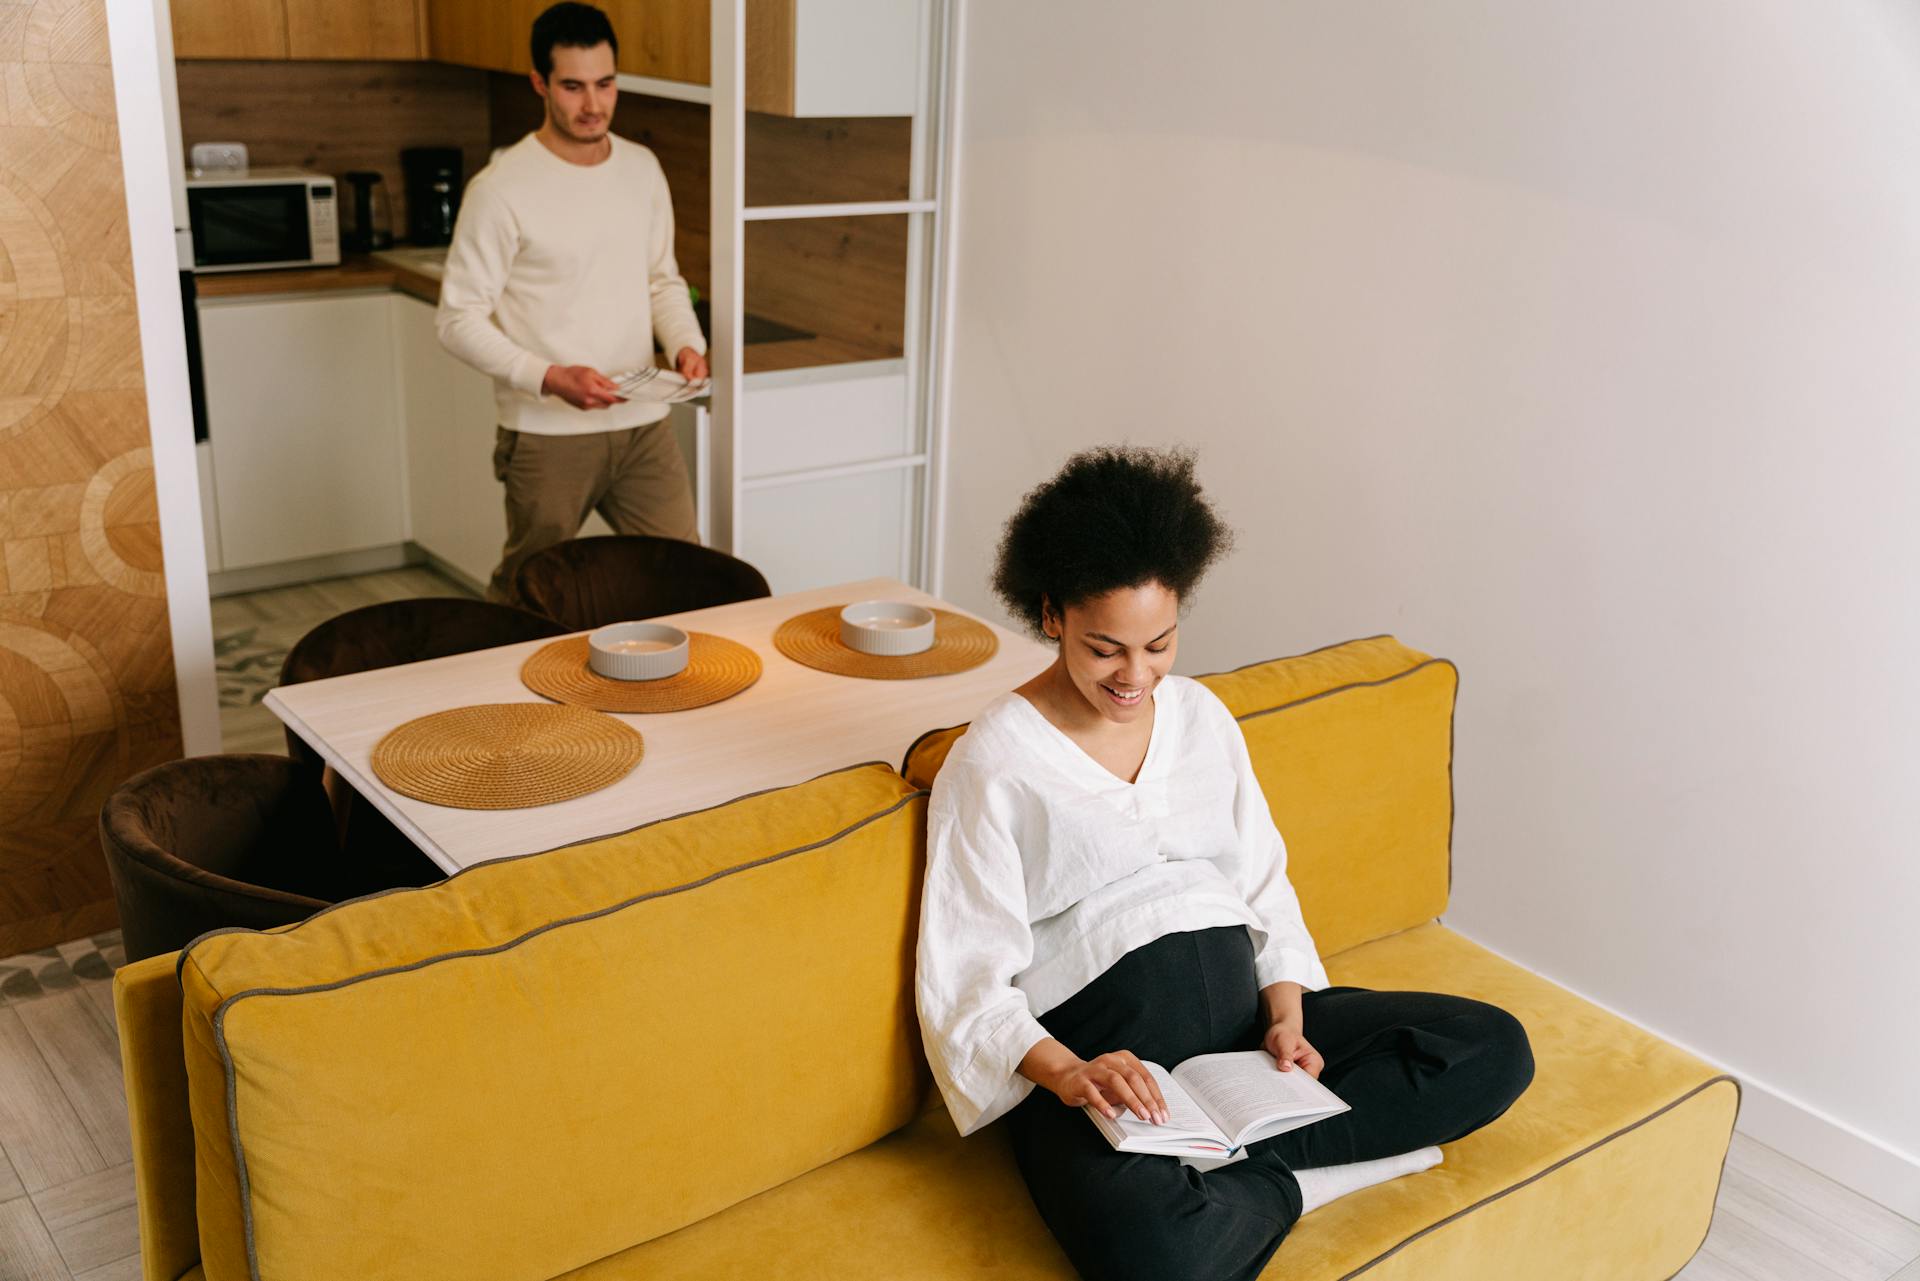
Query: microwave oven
pixel 263 218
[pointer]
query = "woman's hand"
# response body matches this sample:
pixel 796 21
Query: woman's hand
pixel 1112 1081
pixel 1288 1046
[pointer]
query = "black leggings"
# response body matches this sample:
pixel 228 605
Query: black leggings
pixel 1417 1068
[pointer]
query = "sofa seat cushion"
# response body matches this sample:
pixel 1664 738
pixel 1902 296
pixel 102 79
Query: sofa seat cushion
pixel 1612 1158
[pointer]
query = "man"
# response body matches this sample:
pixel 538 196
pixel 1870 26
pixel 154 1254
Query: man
pixel 561 273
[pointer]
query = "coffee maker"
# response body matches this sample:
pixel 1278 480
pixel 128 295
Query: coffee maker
pixel 433 193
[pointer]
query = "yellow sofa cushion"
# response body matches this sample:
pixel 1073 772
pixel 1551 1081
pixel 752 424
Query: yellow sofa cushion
pixel 546 1060
pixel 1605 1169
pixel 1353 746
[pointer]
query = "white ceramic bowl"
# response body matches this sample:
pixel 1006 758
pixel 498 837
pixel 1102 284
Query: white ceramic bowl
pixel 637 651
pixel 887 628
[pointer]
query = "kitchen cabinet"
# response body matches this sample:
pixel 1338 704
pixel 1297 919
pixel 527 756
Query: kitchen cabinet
pixel 455 506
pixel 834 57
pixel 482 33
pixel 229 29
pixel 664 39
pixel 365 30
pixel 809 515
pixel 804 57
pixel 447 415
pixel 303 426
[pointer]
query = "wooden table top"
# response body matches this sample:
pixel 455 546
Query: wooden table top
pixel 794 724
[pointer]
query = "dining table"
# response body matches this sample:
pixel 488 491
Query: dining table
pixel 793 724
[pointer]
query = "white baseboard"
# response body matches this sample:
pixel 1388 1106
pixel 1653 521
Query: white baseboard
pixel 1769 1115
pixel 256 578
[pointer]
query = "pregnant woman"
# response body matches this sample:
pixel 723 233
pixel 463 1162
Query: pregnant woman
pixel 1105 885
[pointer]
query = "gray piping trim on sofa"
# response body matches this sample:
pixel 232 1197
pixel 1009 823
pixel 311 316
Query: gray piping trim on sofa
pixel 1564 1161
pixel 226 1005
pixel 1305 653
pixel 1739 1097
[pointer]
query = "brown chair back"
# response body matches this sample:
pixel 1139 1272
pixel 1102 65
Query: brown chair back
pixel 211 841
pixel 589 582
pixel 403 631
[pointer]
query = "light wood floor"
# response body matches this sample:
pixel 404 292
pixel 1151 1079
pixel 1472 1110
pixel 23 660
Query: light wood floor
pixel 66 1173
pixel 252 633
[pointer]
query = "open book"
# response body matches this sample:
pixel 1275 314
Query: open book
pixel 1219 1103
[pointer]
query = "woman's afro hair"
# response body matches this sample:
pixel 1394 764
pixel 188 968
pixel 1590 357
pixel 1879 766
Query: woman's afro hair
pixel 1116 517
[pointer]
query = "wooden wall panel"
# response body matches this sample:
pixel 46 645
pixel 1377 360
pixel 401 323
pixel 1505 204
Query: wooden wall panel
pixel 86 669
pixel 336 116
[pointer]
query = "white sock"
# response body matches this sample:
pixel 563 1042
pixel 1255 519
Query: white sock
pixel 1330 1182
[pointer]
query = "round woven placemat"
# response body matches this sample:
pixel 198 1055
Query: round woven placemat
pixel 505 756
pixel 813 638
pixel 716 668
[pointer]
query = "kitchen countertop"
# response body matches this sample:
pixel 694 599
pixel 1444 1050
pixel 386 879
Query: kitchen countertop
pixel 356 271
pixel 364 272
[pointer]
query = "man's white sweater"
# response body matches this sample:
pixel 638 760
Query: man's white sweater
pixel 555 263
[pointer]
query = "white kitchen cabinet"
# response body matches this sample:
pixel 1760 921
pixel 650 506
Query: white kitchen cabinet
pixel 209 506
pixel 802 419
pixel 830 475
pixel 832 531
pixel 857 57
pixel 447 408
pixel 456 508
pixel 303 427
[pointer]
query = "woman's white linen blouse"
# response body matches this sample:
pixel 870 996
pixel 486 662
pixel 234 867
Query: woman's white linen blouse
pixel 1043 869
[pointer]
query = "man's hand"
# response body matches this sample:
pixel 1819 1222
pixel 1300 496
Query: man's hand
pixel 691 364
pixel 581 386
pixel 1288 1047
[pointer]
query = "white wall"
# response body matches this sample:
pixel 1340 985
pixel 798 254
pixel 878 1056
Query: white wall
pixel 1579 343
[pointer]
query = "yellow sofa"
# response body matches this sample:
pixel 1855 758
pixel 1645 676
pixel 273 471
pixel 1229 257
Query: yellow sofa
pixel 689 1051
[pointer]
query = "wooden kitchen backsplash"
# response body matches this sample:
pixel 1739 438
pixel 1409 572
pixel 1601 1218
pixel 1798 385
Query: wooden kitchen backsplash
pixel 332 117
pixel 86 666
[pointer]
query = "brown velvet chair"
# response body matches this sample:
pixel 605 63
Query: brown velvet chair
pixel 211 841
pixel 387 635
pixel 590 582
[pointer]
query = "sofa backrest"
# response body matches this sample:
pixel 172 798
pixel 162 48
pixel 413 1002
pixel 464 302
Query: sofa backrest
pixel 543 1061
pixel 1353 746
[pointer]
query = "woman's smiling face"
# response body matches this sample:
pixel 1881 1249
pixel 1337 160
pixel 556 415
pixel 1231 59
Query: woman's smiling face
pixel 1116 647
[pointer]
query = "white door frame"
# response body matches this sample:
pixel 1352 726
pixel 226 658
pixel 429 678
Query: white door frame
pixel 140 41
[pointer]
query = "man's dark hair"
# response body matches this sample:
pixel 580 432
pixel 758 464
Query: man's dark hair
pixel 1116 517
pixel 577 26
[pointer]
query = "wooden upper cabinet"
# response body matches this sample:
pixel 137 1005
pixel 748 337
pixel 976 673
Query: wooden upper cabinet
pixel 229 29
pixel 482 33
pixel 664 39
pixel 364 30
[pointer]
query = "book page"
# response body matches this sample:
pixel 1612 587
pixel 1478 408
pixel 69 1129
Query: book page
pixel 1185 1118
pixel 1243 1091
